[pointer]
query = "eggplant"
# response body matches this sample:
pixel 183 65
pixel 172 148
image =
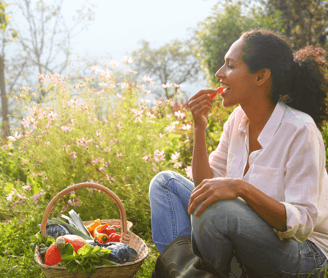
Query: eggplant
pixel 56 230
pixel 120 252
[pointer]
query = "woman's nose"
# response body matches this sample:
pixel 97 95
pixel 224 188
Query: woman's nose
pixel 220 73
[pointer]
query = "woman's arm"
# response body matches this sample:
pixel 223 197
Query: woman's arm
pixel 200 166
pixel 271 211
pixel 209 191
pixel 200 105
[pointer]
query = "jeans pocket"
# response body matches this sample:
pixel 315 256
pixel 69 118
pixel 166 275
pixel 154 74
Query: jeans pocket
pixel 312 261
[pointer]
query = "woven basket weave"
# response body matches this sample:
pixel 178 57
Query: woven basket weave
pixel 127 270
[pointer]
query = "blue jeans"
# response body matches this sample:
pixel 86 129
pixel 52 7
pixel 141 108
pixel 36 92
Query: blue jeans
pixel 226 228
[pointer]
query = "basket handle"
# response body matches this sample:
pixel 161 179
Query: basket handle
pixel 84 185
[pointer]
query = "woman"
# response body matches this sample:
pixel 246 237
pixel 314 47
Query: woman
pixel 263 192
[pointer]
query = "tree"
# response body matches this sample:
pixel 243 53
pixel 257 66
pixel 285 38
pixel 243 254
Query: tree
pixel 42 45
pixel 305 22
pixel 172 63
pixel 214 36
pixel 9 34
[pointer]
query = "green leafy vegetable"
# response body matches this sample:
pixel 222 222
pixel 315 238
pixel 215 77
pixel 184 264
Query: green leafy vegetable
pixel 78 222
pixel 86 258
pixel 73 230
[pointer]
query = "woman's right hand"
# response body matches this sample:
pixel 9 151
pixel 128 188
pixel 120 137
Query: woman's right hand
pixel 200 105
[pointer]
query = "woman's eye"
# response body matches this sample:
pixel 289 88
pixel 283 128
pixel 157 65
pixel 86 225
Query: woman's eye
pixel 230 66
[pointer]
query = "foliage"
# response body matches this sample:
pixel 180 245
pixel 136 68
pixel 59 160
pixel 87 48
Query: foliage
pixel 171 64
pixel 105 133
pixel 217 32
pixel 304 22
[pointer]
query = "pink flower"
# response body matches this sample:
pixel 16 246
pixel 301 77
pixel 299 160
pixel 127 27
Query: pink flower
pixel 146 78
pixel 179 114
pixel 119 125
pixel 158 156
pixel 119 155
pixel 95 161
pixel 66 128
pixel 20 198
pixel 27 187
pixel 175 156
pixel 37 196
pixel 66 146
pixel 178 86
pixel 186 127
pixel 83 142
pixel 188 170
pixel 154 167
pixel 15 137
pixel 114 63
pixel 38 174
pixel 166 85
pixel 127 60
pixel 10 196
pixel 73 155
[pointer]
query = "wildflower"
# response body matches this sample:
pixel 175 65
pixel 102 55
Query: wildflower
pixel 73 155
pixel 154 167
pixel 188 170
pixel 66 146
pixel 127 60
pixel 170 128
pixel 119 155
pixel 161 135
pixel 20 198
pixel 146 157
pixel 178 86
pixel 10 196
pixel 175 156
pixel 179 114
pixel 169 115
pixel 125 85
pixel 47 143
pixel 150 114
pixel 166 85
pixel 83 142
pixel 15 137
pixel 159 155
pixel 94 69
pixel 37 174
pixel 186 127
pixel 37 196
pixel 114 63
pixel 27 187
pixel 66 128
pixel 95 161
pixel 146 78
pixel 119 125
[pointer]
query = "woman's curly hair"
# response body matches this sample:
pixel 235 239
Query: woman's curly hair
pixel 298 79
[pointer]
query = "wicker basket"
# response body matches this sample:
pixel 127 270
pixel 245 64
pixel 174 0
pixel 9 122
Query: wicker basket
pixel 126 270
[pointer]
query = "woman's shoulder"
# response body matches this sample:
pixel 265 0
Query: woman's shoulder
pixel 297 118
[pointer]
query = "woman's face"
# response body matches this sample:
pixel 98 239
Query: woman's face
pixel 234 77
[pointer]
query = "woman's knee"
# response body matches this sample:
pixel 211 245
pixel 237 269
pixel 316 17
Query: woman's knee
pixel 160 180
pixel 223 214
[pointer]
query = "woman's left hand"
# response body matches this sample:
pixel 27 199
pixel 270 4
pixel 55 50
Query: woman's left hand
pixel 210 191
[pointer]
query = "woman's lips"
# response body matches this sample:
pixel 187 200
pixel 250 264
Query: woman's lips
pixel 224 87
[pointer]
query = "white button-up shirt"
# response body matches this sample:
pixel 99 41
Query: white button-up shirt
pixel 290 168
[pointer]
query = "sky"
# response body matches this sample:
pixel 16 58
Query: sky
pixel 119 25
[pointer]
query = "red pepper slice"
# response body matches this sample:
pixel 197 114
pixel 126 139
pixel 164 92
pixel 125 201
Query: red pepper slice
pixel 219 90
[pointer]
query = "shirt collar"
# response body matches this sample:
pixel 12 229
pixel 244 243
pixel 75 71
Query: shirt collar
pixel 270 127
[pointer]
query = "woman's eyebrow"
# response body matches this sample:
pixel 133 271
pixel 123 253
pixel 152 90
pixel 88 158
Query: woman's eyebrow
pixel 229 59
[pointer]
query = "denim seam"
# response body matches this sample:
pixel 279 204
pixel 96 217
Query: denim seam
pixel 174 228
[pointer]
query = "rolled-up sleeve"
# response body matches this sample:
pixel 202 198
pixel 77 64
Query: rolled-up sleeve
pixel 301 180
